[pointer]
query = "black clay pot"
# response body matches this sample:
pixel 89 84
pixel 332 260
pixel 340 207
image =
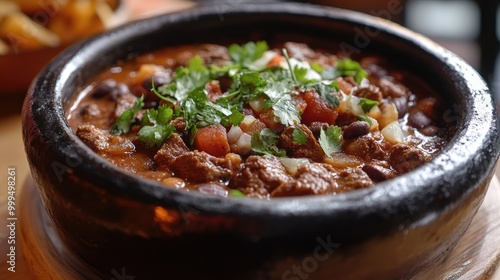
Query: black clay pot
pixel 400 227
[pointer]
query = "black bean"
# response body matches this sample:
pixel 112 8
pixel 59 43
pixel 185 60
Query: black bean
pixel 356 129
pixel 158 80
pixel 401 105
pixel 103 88
pixel 316 127
pixel 377 173
pixel 419 120
pixel 109 88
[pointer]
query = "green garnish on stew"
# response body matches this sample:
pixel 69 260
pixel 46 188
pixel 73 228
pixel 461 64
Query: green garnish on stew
pixel 251 80
pixel 265 143
pixel 330 139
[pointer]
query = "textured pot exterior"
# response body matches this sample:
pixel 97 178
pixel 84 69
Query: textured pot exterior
pixel 396 229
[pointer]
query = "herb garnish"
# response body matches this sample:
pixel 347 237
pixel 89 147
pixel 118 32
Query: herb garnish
pixel 299 136
pixel 156 127
pixel 348 67
pixel 265 143
pixel 367 104
pixel 330 140
pixel 124 122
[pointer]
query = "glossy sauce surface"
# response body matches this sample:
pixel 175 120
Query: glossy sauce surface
pixel 338 124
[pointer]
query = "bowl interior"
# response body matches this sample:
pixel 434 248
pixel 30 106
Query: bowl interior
pixel 416 195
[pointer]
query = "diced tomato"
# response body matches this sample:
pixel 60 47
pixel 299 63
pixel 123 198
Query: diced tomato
pixel 267 117
pixel 275 61
pixel 317 109
pixel 213 90
pixel 212 139
pixel 299 102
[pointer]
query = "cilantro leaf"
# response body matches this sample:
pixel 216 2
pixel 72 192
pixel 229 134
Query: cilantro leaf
pixel 237 193
pixel 265 143
pixel 367 104
pixel 317 67
pixel 246 54
pixel 301 75
pixel 236 117
pixel 348 67
pixel 187 80
pixel 365 119
pixel 325 91
pixel 199 111
pixel 124 122
pixel 298 136
pixel 281 102
pixel 156 127
pixel 330 139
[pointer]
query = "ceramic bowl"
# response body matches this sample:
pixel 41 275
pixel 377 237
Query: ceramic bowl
pixel 118 222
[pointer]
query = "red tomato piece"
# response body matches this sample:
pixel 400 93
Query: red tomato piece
pixel 212 139
pixel 317 109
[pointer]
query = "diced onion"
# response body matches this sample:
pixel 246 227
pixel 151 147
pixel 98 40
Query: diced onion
pixel 292 164
pixel 374 124
pixel 342 160
pixel 389 115
pixel 375 112
pixel 234 134
pixel 257 104
pixel 350 104
pixel 245 142
pixel 393 133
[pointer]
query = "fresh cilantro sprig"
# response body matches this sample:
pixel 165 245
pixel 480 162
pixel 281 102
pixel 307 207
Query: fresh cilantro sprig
pixel 156 127
pixel 187 79
pixel 127 118
pixel 299 136
pixel 265 143
pixel 367 104
pixel 245 55
pixel 348 67
pixel 330 140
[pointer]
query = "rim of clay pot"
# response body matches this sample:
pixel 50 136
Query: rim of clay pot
pixel 463 165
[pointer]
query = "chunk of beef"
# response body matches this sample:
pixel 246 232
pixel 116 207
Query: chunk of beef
pixel 311 149
pixel 405 158
pixel 200 167
pixel 103 142
pixel 303 52
pixel 124 102
pixel 321 178
pixel 210 53
pixel 351 179
pixel 392 89
pixel 179 124
pixel 315 178
pixel 371 92
pixel 367 147
pixel 259 176
pixel 171 149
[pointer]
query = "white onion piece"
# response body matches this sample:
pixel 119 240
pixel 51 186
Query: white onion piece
pixel 257 104
pixel 393 133
pixel 248 120
pixel 343 160
pixel 375 112
pixel 292 164
pixel 374 124
pixel 234 134
pixel 262 62
pixel 245 142
pixel 389 115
